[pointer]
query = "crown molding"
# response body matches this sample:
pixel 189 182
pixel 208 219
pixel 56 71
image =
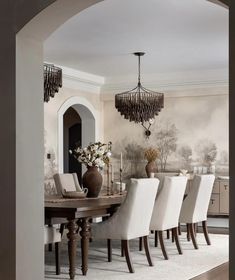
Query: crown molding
pixel 83 81
pixel 190 83
pixel 175 84
pixel 196 91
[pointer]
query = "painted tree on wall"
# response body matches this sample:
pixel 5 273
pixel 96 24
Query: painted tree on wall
pixel 224 158
pixel 50 168
pixel 185 154
pixel 166 142
pixel 206 151
pixel 135 154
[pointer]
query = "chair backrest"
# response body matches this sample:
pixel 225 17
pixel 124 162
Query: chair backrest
pixel 168 203
pixel 132 220
pixel 51 235
pixel 161 176
pixel 195 205
pixel 67 182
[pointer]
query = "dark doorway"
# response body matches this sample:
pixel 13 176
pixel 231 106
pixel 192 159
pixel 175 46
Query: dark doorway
pixel 72 139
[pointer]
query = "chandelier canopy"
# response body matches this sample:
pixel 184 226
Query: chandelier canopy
pixel 139 105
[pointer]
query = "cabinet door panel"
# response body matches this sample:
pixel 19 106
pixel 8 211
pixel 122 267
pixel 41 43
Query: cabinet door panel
pixel 224 197
pixel 214 204
pixel 216 187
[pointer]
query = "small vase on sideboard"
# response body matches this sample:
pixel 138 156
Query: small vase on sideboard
pixel 151 167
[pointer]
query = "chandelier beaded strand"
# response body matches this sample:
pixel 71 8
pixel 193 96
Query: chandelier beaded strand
pixel 52 80
pixel 139 105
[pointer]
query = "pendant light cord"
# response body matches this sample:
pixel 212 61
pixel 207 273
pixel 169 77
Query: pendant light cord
pixel 139 70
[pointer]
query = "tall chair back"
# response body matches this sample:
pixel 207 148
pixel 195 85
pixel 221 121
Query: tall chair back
pixel 161 176
pixel 168 203
pixel 66 182
pixel 132 219
pixel 195 206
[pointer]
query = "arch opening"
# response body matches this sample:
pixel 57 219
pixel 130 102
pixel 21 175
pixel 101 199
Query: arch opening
pixel 86 127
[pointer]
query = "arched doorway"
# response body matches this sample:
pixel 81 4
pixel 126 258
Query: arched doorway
pixel 90 127
pixel 72 138
pixel 78 129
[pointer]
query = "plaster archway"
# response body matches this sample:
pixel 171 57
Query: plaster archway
pixel 90 124
pixel 29 133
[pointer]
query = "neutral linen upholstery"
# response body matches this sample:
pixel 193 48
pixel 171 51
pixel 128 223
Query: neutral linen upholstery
pixel 168 203
pixel 68 182
pixel 161 176
pixel 195 206
pixel 132 219
pixel 51 235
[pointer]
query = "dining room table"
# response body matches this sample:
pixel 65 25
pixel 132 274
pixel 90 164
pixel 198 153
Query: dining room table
pixel 77 214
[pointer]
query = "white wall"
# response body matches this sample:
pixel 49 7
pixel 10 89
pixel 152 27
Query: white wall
pixel 29 135
pixel 29 160
pixel 53 122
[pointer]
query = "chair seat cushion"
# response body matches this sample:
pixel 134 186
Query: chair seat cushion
pixel 51 235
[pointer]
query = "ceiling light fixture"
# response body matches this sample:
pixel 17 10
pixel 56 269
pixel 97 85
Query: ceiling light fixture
pixel 52 80
pixel 139 105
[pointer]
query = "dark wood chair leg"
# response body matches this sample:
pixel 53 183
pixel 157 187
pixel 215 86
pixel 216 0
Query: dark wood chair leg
pixel 50 247
pixel 205 231
pixel 168 234
pixel 160 234
pixel 62 226
pixel 109 246
pixel 172 236
pixel 192 234
pixel 147 252
pixel 122 250
pixel 57 258
pixel 179 229
pixel 156 239
pixel 195 229
pixel 188 233
pixel 140 244
pixel 126 249
pixel 177 242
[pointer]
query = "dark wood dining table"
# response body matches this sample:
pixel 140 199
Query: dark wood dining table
pixel 77 214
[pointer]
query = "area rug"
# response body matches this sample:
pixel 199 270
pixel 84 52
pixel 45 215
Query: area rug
pixel 178 267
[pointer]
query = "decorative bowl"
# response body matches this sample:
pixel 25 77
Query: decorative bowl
pixel 74 194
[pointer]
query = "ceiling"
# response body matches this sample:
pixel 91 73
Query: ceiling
pixel 177 36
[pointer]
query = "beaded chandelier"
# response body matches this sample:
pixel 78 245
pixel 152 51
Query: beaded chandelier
pixel 52 80
pixel 139 105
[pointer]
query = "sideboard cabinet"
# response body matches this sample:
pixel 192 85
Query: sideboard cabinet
pixel 219 202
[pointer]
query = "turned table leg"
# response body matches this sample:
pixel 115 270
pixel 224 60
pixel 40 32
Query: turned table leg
pixel 85 235
pixel 72 246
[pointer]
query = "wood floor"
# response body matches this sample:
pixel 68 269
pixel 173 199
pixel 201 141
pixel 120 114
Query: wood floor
pixel 218 273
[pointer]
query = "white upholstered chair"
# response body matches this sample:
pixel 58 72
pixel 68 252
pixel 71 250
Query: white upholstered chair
pixel 195 205
pixel 167 209
pixel 67 182
pixel 132 219
pixel 53 236
pixel 161 176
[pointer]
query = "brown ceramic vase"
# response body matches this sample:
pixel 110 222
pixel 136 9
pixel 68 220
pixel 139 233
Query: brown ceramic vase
pixel 151 167
pixel 92 180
